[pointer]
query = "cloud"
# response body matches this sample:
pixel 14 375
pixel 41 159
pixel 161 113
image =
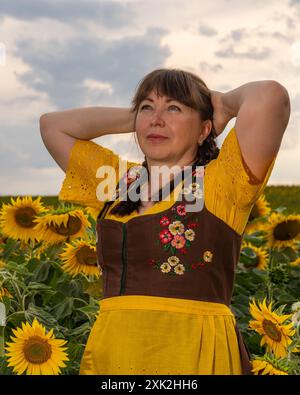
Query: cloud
pixel 110 14
pixel 252 53
pixel 238 34
pixel 206 30
pixel 205 66
pixel 62 68
pixel 70 73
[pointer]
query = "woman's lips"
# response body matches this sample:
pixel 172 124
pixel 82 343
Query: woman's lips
pixel 157 138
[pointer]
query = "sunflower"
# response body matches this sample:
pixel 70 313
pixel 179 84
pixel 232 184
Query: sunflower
pixel 17 219
pixel 261 257
pixel 296 262
pixel 260 209
pixel 282 231
pixel 268 366
pixel 4 292
pixel 80 257
pixel 61 225
pixel 270 325
pixel 34 351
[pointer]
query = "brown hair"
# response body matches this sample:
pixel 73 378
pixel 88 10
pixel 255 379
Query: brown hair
pixel 187 88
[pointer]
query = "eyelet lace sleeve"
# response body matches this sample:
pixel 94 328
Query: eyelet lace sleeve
pixel 80 182
pixel 230 187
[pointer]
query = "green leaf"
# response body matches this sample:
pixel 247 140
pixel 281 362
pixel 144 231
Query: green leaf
pixel 63 309
pixel 42 315
pixel 90 309
pixel 32 264
pixel 17 267
pixel 42 272
pixel 40 287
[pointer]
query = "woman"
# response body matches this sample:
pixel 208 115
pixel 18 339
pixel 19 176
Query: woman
pixel 168 274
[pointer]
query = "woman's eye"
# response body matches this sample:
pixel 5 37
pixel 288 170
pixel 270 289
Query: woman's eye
pixel 175 107
pixel 146 105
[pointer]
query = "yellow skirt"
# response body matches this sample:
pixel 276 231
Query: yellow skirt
pixel 139 334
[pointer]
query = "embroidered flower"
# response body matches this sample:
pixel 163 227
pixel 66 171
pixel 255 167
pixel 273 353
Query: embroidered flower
pixel 171 267
pixel 164 221
pixel 207 256
pixel 183 250
pixel 198 264
pixel 193 186
pixel 165 236
pixel 178 241
pixel 181 210
pixel 198 193
pixel 165 267
pixel 173 260
pixel 176 227
pixel 179 269
pixel 189 234
pixel 192 225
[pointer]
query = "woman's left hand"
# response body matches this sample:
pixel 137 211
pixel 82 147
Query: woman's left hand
pixel 221 115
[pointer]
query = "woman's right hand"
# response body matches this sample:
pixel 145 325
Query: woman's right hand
pixel 221 115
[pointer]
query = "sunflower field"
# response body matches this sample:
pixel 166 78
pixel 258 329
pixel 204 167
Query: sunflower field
pixel 51 288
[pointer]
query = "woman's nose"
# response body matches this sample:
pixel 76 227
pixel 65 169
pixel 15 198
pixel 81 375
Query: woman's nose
pixel 157 118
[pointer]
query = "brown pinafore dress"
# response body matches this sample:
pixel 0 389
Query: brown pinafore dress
pixel 138 258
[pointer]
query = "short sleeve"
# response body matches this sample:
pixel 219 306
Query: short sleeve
pixel 80 183
pixel 231 188
pixel 243 187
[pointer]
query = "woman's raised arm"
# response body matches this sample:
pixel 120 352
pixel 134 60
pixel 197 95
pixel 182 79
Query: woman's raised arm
pixel 60 129
pixel 262 109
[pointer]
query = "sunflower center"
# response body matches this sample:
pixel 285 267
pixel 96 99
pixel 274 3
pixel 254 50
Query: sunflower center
pixel 24 216
pixel 271 330
pixel 287 230
pixel 86 256
pixel 37 350
pixel 73 226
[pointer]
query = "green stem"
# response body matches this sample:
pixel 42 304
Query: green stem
pixel 18 293
pixel 269 283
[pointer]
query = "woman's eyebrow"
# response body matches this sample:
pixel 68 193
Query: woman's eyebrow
pixel 168 100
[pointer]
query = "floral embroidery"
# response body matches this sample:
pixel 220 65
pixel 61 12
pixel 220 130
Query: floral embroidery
pixel 173 266
pixel 176 227
pixel 164 221
pixel 177 237
pixel 207 256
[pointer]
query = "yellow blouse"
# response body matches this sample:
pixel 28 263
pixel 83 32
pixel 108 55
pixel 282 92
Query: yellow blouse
pixel 230 190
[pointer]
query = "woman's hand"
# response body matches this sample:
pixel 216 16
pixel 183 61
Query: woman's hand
pixel 221 114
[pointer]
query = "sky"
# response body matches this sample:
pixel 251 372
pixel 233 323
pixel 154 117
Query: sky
pixel 57 55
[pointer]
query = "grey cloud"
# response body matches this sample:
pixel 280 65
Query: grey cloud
pixel 59 68
pixel 238 34
pixel 204 66
pixel 253 53
pixel 206 30
pixel 110 14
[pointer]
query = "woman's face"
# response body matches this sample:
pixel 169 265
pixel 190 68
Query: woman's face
pixel 180 126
